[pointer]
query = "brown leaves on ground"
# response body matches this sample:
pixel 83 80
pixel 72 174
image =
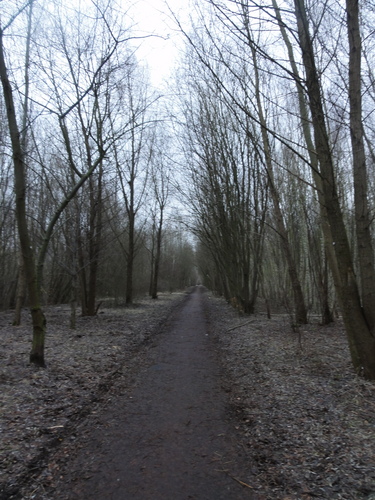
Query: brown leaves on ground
pixel 309 421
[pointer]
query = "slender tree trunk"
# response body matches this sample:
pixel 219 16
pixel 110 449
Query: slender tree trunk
pixel 21 283
pixel 327 313
pixel 130 206
pixel 152 259
pixel 96 227
pixel 362 214
pixel 73 302
pixel 246 299
pixel 38 318
pixel 130 261
pixel 21 291
pixel 299 301
pixel 92 243
pixel 360 338
pixel 155 280
pixel 82 273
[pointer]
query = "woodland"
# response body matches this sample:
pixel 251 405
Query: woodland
pixel 250 172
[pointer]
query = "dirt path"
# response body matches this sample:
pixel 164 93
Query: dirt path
pixel 170 437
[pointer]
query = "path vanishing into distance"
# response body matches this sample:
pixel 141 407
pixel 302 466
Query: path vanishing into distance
pixel 171 436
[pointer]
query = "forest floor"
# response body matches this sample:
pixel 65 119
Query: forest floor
pixel 303 423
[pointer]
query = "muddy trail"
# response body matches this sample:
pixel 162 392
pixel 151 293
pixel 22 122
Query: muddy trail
pixel 172 435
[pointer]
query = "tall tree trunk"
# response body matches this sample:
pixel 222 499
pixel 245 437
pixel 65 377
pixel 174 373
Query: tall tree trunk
pixel 73 293
pixel 155 280
pixel 152 258
pixel 21 282
pixel 306 129
pixel 130 260
pixel 360 338
pixel 130 206
pixel 34 289
pixel 96 226
pixel 362 214
pixel 82 272
pixel 93 260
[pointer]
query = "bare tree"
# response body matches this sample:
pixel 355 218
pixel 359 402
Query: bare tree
pixel 160 178
pixel 34 263
pixel 132 161
pixel 39 322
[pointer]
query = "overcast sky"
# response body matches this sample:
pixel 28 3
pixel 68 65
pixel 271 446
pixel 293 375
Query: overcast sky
pixel 160 51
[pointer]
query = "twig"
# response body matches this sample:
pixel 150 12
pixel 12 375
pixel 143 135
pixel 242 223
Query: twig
pixel 242 483
pixel 239 326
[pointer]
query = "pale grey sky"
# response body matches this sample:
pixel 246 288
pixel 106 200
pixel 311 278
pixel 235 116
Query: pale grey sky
pixel 160 51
